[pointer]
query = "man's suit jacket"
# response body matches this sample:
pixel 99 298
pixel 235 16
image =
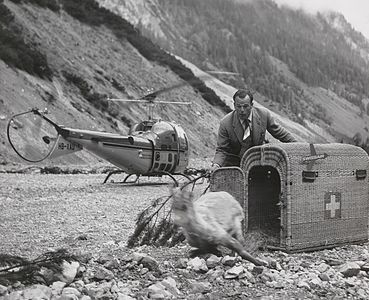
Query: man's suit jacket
pixel 230 148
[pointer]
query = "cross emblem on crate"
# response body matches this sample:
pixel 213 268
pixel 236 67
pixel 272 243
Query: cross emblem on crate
pixel 332 205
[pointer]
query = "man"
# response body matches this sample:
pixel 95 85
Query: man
pixel 243 128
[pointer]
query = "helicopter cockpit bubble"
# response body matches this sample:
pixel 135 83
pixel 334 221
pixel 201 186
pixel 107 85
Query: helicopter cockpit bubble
pixel 182 137
pixel 160 133
pixel 167 136
pixel 31 137
pixel 140 127
pixel 161 128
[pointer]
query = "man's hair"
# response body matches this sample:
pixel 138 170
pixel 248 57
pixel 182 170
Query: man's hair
pixel 242 94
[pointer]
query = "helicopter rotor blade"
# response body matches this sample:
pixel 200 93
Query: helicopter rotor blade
pixel 223 72
pixel 124 100
pixel 151 96
pixel 148 101
pixel 207 75
pixel 173 102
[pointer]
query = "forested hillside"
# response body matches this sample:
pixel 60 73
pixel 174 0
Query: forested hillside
pixel 284 54
pixel 71 56
pixel 240 38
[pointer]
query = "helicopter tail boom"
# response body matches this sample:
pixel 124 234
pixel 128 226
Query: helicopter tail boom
pixel 34 137
pixel 64 147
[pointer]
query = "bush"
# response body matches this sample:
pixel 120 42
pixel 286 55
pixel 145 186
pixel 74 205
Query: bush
pixel 126 121
pixel 6 16
pixel 50 4
pixel 16 52
pixel 118 86
pixel 80 83
pixel 96 99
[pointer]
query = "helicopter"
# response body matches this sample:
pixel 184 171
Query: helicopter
pixel 152 147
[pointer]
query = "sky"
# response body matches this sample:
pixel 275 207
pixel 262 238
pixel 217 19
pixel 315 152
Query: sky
pixel 356 12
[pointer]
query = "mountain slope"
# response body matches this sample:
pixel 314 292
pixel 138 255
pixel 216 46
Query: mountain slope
pixel 88 60
pixel 307 67
pixel 110 66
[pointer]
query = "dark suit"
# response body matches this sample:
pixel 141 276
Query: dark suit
pixel 231 147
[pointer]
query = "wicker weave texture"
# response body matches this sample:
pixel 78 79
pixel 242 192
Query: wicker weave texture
pixel 328 209
pixel 231 180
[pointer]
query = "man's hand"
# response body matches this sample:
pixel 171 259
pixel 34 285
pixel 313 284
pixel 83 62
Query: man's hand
pixel 213 167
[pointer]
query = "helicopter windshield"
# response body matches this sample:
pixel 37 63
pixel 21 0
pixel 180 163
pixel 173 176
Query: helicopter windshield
pixel 182 138
pixel 161 128
pixel 32 137
pixel 165 136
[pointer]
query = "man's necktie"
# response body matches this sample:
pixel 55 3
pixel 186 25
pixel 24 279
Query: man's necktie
pixel 247 129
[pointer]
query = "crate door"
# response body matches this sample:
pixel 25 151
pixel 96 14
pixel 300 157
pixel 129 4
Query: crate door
pixel 231 180
pixel 263 198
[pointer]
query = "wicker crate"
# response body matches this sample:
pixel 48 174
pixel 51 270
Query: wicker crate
pixel 231 180
pixel 304 196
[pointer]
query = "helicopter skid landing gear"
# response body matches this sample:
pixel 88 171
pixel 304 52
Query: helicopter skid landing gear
pixel 129 175
pixel 125 179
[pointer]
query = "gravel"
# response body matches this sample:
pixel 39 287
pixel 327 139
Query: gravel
pixel 43 212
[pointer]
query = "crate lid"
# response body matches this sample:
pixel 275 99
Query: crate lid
pixel 306 156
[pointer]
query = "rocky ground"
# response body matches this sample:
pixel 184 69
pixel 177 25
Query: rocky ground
pixel 45 212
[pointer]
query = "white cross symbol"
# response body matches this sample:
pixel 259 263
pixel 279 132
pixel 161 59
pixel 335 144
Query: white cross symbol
pixel 333 205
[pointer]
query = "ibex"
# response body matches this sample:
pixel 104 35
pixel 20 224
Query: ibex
pixel 211 220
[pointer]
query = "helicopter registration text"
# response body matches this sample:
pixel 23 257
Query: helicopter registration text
pixel 69 146
pixel 64 147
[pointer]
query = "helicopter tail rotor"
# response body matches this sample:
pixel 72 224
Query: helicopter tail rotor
pixel 34 137
pixel 31 136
